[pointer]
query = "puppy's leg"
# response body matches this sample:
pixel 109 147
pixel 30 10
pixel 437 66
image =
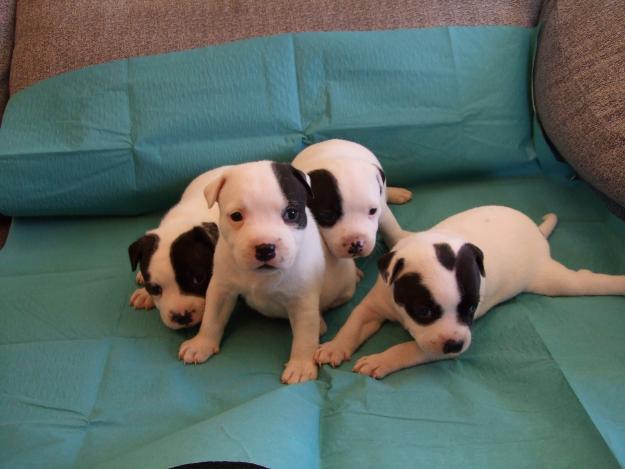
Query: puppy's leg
pixel 219 305
pixel 141 299
pixel 389 227
pixel 139 278
pixel 393 359
pixel 305 323
pixel 548 225
pixel 362 323
pixel 554 279
pixel 398 195
pixel 323 327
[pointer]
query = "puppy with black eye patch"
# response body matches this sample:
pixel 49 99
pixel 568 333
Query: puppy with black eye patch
pixel 176 259
pixel 437 282
pixel 350 196
pixel 271 254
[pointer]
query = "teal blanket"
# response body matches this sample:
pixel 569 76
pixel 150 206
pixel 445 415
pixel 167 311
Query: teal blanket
pixel 87 381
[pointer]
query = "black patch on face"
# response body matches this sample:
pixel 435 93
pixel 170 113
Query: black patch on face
pixel 416 299
pixel 327 205
pixel 192 258
pixel 140 253
pixel 469 267
pixel 445 255
pixel 383 262
pixel 296 191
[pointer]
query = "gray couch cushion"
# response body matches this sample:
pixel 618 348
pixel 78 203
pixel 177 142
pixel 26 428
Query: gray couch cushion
pixel 580 88
pixel 55 37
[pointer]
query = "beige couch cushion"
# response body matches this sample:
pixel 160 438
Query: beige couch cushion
pixel 580 88
pixel 54 37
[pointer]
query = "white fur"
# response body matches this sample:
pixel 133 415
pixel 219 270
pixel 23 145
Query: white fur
pixel 189 212
pixel 516 259
pixel 356 170
pixel 305 281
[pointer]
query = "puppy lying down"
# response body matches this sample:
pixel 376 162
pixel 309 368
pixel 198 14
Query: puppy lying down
pixel 270 253
pixel 437 282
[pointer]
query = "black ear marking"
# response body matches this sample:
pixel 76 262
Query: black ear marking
pixel 207 232
pixel 140 252
pixel 327 205
pixel 469 273
pixel 382 175
pixel 445 255
pixel 397 269
pixel 383 262
pixel 301 176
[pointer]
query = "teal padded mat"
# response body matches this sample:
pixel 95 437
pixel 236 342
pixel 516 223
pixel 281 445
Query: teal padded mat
pixel 88 381
pixel 126 137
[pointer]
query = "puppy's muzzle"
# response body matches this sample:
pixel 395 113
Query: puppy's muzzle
pixel 184 319
pixel 265 252
pixel 355 248
pixel 453 346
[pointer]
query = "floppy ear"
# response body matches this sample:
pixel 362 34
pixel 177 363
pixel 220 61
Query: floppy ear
pixel 207 232
pixel 144 245
pixel 384 262
pixel 479 257
pixel 382 175
pixel 305 180
pixel 212 189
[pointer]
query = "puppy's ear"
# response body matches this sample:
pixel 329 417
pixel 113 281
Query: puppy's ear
pixel 479 257
pixel 382 175
pixel 305 180
pixel 142 249
pixel 389 274
pixel 207 233
pixel 212 189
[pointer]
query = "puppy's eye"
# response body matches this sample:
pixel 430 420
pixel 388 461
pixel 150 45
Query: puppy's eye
pixel 373 211
pixel 236 216
pixel 153 289
pixel 290 214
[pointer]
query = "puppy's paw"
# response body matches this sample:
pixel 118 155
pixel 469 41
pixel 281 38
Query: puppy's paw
pixel 333 353
pixel 141 299
pixel 377 366
pixel 197 350
pixel 299 371
pixel 139 278
pixel 398 195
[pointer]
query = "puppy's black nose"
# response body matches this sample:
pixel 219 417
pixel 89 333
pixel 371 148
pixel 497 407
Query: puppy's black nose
pixel 453 346
pixel 265 252
pixel 356 247
pixel 182 318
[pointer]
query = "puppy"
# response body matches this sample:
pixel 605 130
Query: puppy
pixel 270 252
pixel 176 258
pixel 350 196
pixel 437 282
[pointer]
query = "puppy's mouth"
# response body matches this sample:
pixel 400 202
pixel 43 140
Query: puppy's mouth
pixel 266 267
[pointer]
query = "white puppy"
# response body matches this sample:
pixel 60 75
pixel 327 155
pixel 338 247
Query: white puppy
pixel 436 282
pixel 176 258
pixel 271 253
pixel 350 196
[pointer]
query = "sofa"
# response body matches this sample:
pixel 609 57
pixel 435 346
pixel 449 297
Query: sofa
pixel 110 108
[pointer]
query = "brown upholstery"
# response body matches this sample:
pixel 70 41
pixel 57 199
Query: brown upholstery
pixel 580 88
pixel 7 20
pixel 54 37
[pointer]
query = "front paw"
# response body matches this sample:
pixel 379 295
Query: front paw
pixel 332 352
pixel 398 195
pixel 197 350
pixel 141 299
pixel 299 371
pixel 377 366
